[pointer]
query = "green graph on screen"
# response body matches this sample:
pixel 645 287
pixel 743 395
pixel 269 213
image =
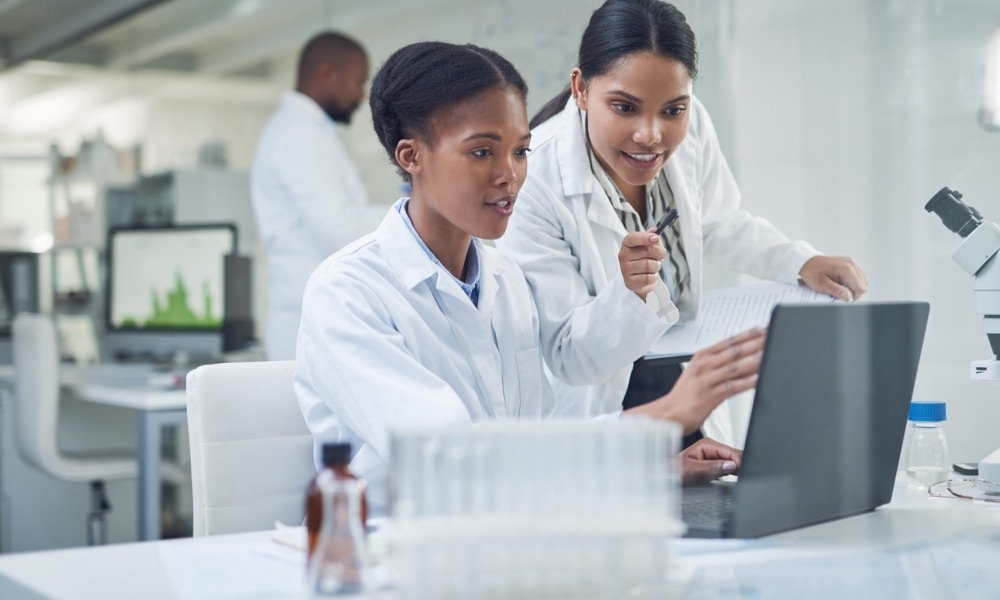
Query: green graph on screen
pixel 174 310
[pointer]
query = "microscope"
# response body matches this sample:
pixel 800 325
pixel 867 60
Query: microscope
pixel 977 254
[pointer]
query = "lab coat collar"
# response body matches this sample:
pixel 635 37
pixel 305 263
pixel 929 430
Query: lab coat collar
pixel 489 282
pixel 574 169
pixel 574 164
pixel 404 254
pixel 300 103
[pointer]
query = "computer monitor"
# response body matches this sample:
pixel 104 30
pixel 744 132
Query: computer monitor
pixel 19 292
pixel 168 280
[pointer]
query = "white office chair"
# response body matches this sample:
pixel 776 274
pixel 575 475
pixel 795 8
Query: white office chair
pixel 251 452
pixel 36 380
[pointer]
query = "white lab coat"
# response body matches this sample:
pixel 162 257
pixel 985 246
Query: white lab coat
pixel 309 202
pixel 565 235
pixel 375 351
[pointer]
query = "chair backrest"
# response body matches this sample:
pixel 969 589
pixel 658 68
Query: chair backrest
pixel 251 452
pixel 36 380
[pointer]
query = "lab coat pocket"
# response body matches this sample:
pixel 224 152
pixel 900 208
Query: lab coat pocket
pixel 530 380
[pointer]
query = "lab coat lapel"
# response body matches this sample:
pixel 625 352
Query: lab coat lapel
pixel 577 178
pixel 602 238
pixel 601 231
pixel 415 268
pixel 601 213
pixel 689 218
pixel 476 326
pixel 490 283
pixel 402 251
pixel 574 164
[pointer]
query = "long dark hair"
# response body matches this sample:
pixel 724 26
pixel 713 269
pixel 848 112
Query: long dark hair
pixel 620 28
pixel 421 79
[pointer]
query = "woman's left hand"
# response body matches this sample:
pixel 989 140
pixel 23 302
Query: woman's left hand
pixel 708 459
pixel 838 276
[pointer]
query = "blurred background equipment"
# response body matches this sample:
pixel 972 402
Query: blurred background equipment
pixel 977 255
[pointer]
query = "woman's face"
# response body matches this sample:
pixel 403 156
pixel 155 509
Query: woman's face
pixel 465 179
pixel 637 115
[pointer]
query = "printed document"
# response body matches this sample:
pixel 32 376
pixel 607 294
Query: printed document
pixel 724 313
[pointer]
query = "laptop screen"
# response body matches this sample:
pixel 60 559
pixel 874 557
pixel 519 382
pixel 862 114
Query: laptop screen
pixel 829 413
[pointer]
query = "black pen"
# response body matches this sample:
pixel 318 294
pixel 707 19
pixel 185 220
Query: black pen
pixel 667 221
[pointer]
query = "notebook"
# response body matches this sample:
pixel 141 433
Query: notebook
pixel 827 423
pixel 726 312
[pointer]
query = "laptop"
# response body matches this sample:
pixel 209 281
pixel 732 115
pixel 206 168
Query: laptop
pixel 827 423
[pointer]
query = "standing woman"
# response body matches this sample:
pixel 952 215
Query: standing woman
pixel 420 322
pixel 612 155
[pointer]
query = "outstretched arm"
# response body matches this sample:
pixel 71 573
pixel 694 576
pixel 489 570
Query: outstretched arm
pixel 714 374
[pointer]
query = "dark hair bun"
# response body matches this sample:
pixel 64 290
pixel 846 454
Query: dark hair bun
pixel 420 79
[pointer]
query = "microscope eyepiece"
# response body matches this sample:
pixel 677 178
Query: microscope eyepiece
pixel 954 213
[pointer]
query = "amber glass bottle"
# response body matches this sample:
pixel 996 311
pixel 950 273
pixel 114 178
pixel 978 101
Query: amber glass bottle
pixel 336 457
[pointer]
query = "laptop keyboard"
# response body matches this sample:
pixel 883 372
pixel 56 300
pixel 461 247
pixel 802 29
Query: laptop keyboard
pixel 706 511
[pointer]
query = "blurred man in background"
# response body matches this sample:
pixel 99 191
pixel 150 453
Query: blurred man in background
pixel 307 196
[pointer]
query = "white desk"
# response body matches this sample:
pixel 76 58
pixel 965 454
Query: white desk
pixel 130 571
pixel 157 408
pixel 116 572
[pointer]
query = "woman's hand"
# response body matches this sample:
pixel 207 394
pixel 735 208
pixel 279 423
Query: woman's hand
pixel 838 276
pixel 714 374
pixel 639 259
pixel 708 459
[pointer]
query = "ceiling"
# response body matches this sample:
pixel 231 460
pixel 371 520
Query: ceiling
pixel 215 36
pixel 38 28
pixel 61 58
pixel 68 56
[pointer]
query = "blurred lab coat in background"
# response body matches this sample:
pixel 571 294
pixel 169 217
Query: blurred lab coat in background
pixel 309 202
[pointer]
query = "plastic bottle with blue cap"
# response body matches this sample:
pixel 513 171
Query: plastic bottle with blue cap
pixel 927 451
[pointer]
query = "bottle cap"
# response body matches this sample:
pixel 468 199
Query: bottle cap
pixel 927 412
pixel 338 453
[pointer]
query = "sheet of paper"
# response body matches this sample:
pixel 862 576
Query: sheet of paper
pixel 230 571
pixel 289 535
pixel 724 313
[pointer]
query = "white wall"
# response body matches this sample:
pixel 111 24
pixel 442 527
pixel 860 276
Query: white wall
pixel 849 116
